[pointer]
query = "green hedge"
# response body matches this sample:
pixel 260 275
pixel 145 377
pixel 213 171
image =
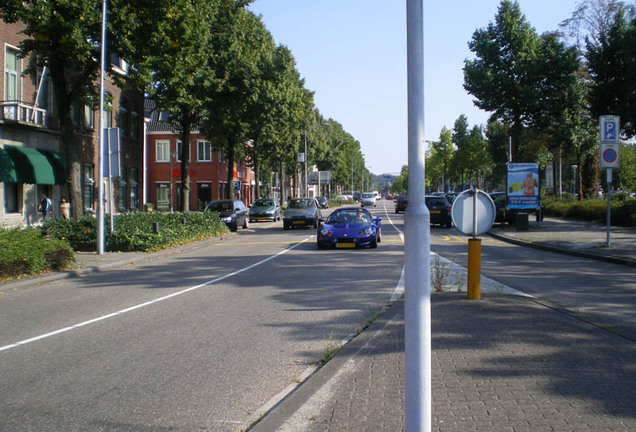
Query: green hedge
pixel 30 251
pixel 133 232
pixel 623 212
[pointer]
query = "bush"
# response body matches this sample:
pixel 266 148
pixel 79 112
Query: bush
pixel 134 231
pixel 30 251
pixel 595 210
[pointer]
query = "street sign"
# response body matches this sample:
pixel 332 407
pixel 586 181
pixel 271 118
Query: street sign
pixel 609 155
pixel 609 128
pixel 473 212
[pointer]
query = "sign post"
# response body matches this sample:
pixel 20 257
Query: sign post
pixel 609 131
pixel 473 214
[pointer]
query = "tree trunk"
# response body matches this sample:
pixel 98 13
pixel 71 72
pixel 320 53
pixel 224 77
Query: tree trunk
pixel 230 171
pixel 186 124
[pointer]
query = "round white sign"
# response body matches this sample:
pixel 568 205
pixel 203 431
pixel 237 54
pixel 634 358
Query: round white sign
pixel 473 212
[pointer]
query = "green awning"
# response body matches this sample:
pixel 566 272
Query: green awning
pixel 28 165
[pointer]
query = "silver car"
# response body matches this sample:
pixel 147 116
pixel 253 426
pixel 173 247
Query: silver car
pixel 265 209
pixel 367 199
pixel 302 212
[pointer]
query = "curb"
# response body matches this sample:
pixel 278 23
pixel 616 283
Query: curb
pixel 562 250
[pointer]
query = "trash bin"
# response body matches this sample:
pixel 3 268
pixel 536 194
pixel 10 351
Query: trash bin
pixel 521 221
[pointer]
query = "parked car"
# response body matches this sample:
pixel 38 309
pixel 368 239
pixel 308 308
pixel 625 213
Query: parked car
pixel 502 214
pixel 389 197
pixel 323 201
pixel 232 212
pixel 264 209
pixel 439 209
pixel 400 203
pixel 302 212
pixel 368 199
pixel 350 227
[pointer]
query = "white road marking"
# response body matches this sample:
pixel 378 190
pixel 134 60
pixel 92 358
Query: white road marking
pixel 149 303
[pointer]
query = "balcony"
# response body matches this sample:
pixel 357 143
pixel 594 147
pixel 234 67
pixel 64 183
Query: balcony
pixel 20 112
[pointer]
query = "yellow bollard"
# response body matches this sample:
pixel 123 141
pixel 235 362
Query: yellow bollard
pixel 474 269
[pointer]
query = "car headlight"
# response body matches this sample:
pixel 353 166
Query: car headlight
pixel 226 219
pixel 368 231
pixel 270 212
pixel 324 231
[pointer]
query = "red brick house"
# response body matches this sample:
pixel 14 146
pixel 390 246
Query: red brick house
pixel 208 168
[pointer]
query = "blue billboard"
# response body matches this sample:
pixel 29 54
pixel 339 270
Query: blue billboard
pixel 522 186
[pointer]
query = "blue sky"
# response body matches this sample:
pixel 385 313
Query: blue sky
pixel 352 54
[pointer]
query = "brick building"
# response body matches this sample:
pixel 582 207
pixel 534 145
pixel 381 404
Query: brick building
pixel 208 168
pixel 32 161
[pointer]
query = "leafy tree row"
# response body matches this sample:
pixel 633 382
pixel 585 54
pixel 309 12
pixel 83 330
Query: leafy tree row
pixel 545 93
pixel 211 64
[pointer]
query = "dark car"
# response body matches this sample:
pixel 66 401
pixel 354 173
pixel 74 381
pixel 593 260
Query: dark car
pixel 440 210
pixel 350 227
pixel 232 212
pixel 400 203
pixel 502 213
pixel 302 212
pixel 323 201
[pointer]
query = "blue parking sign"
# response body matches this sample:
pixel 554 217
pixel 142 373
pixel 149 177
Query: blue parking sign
pixel 609 128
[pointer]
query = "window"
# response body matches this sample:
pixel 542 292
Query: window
pixel 88 186
pixel 122 189
pixel 89 117
pixel 11 75
pixel 162 151
pixel 123 120
pixel 177 155
pixel 134 123
pixel 134 189
pixel 222 158
pixel 43 95
pixel 12 192
pixel 204 151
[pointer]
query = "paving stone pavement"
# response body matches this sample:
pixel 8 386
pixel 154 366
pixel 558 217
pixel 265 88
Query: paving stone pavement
pixel 504 363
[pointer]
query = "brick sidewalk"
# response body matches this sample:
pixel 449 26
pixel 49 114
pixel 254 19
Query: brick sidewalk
pixel 504 363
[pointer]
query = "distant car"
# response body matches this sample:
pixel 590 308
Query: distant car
pixel 356 196
pixel 302 212
pixel 439 209
pixel 368 199
pixel 264 209
pixel 502 214
pixel 232 212
pixel 323 201
pixel 389 197
pixel 350 227
pixel 400 203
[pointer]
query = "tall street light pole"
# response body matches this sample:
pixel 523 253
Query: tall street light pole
pixel 417 241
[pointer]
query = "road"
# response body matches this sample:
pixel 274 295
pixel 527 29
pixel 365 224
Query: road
pixel 206 339
pixel 201 340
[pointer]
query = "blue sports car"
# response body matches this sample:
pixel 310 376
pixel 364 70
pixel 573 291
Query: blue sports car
pixel 349 227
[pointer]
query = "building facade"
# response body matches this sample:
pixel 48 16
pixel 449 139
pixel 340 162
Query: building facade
pixel 208 168
pixel 32 160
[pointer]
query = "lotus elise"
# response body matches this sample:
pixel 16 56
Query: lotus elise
pixel 350 227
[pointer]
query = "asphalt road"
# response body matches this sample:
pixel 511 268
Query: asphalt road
pixel 197 341
pixel 600 292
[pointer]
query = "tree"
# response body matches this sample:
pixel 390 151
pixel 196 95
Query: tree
pixel 612 65
pixel 173 45
pixel 62 36
pixel 502 77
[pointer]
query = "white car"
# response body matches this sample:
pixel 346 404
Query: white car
pixel 367 199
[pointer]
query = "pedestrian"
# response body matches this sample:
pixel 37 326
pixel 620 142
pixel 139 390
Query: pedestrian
pixel 45 206
pixel 65 209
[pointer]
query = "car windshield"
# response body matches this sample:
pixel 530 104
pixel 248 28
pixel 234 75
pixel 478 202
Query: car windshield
pixel 220 206
pixel 367 195
pixel 349 217
pixel 300 203
pixel 263 203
